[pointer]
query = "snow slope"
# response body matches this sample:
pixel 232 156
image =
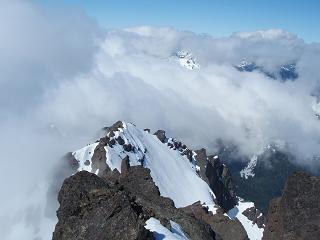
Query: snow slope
pixel 173 173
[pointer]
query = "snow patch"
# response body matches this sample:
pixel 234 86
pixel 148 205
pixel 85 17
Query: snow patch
pixel 84 155
pixel 162 233
pixel 248 171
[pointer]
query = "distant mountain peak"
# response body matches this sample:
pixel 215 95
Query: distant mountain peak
pixel 186 60
pixel 283 73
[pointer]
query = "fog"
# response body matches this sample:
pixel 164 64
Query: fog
pixel 63 77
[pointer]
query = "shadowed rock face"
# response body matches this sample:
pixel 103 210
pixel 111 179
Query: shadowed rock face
pixel 218 177
pixel 117 207
pixel 295 215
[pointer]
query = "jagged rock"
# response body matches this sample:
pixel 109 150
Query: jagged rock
pixel 117 208
pixel 225 228
pixel 220 182
pixel 161 135
pixel 113 128
pixel 139 183
pixel 125 165
pixel 296 214
pixel 201 157
pixel 90 209
pixel 99 159
pixel 255 215
pixel 218 177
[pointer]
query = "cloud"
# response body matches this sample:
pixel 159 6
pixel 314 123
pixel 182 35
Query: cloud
pixel 63 78
pixel 135 79
pixel 40 48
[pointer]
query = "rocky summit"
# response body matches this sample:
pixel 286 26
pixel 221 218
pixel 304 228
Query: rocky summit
pixel 118 207
pixel 132 184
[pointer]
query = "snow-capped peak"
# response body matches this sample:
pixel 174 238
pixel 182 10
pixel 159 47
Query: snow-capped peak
pixel 172 165
pixel 172 172
pixel 186 60
pixel 246 66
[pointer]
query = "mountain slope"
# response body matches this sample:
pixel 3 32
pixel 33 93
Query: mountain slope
pixel 179 173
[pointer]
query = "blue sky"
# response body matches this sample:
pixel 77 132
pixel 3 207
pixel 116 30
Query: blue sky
pixel 218 18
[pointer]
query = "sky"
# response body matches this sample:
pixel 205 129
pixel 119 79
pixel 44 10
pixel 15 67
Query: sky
pixel 214 17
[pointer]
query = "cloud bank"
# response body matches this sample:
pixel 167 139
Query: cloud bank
pixel 63 78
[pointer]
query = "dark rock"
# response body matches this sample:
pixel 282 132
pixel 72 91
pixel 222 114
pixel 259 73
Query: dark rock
pixel 99 159
pixel 296 214
pixel 140 184
pixel 161 135
pixel 127 147
pixel 115 127
pixel 224 227
pixel 125 165
pixel 112 142
pixel 220 182
pixel 188 153
pixel 255 215
pixel 201 158
pixel 117 208
pixel 147 130
pixel 90 209
pixel 120 140
pixel 218 177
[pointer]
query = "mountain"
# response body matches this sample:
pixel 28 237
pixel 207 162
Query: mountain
pixel 185 59
pixel 283 73
pixel 199 185
pixel 254 177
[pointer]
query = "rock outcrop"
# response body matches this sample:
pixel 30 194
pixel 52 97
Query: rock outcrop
pixel 117 207
pixel 225 228
pixel 218 177
pixel 256 216
pixel 296 214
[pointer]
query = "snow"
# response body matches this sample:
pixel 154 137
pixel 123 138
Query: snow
pixel 173 173
pixel 186 60
pixel 254 233
pixel 162 233
pixel 85 154
pixel 316 108
pixel 175 176
pixel 248 171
